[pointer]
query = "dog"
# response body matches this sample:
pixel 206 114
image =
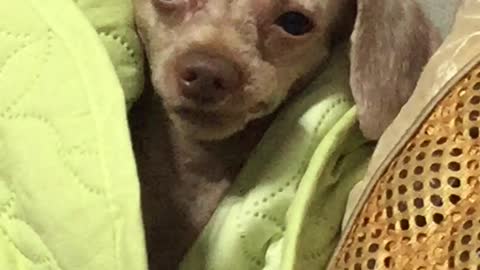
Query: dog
pixel 219 71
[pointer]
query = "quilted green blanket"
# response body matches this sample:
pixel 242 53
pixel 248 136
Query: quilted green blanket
pixel 69 193
pixel 69 196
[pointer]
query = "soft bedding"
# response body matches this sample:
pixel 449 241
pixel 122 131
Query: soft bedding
pixel 69 195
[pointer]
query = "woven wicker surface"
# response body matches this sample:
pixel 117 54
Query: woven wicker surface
pixel 424 212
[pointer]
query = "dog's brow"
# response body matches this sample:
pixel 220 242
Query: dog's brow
pixel 310 5
pixel 261 4
pixel 258 8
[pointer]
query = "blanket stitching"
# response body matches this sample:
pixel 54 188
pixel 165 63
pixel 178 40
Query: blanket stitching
pixel 130 52
pixel 14 53
pixel 296 177
pixel 106 176
pixel 50 125
pixel 60 145
pixel 106 173
pixel 80 150
pixel 261 216
pixel 37 260
pixel 51 259
pixel 9 203
pixel 124 44
pixel 9 239
pixel 24 36
pixel 37 76
pixel 252 258
pixel 315 252
pixel 60 142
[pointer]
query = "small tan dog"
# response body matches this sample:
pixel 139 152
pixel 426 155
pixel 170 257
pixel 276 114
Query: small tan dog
pixel 220 67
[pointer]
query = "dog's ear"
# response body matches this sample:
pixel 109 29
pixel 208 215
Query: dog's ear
pixel 391 42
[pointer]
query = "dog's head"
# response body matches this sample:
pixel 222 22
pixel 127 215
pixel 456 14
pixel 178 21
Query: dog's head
pixel 218 64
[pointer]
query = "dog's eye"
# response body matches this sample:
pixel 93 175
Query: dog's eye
pixel 295 23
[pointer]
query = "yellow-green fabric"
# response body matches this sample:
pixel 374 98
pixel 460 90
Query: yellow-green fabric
pixel 285 210
pixel 69 194
pixel 114 22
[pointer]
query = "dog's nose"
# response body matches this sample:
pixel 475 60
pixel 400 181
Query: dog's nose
pixel 204 78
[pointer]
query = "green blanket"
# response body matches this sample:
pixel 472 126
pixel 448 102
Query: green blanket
pixel 69 195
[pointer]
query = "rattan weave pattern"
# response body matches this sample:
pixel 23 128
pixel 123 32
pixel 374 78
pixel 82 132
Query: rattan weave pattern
pixel 424 211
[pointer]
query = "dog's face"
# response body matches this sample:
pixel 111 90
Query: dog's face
pixel 219 64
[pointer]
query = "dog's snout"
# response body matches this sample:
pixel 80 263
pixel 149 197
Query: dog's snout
pixel 203 78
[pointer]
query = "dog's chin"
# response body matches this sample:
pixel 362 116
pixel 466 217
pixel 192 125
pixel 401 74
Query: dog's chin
pixel 207 126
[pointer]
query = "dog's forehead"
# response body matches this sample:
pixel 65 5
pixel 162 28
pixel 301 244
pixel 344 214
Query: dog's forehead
pixel 232 7
pixel 260 7
pixel 311 5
